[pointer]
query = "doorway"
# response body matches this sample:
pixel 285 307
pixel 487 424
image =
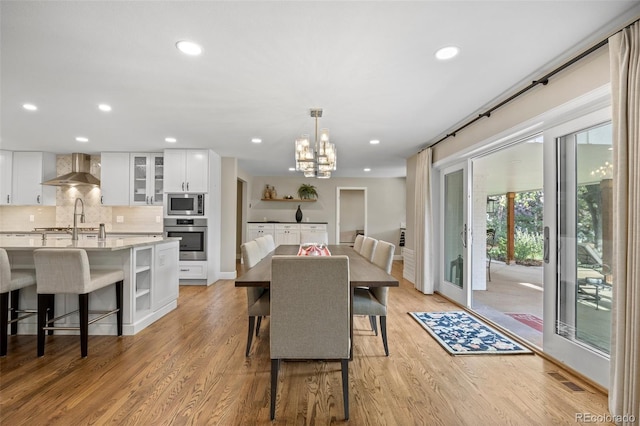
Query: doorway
pixel 351 203
pixel 507 255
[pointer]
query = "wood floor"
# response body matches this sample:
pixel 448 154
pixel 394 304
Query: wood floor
pixel 190 368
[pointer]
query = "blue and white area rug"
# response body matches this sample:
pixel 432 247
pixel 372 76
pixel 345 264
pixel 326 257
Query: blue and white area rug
pixel 461 334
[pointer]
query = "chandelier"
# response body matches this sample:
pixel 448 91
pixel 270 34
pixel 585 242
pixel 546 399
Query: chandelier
pixel 317 160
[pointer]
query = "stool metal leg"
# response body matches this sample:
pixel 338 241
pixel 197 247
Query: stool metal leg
pixel 15 299
pixel 43 308
pixel 83 304
pixel 51 310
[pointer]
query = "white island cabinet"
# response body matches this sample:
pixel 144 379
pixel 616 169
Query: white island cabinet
pixel 150 267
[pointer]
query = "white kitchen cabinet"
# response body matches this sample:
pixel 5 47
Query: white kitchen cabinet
pixel 287 234
pixel 30 169
pixel 186 170
pixel 114 178
pixel 147 179
pixel 142 281
pixel 6 167
pixel 255 230
pixel 166 275
pixel 193 270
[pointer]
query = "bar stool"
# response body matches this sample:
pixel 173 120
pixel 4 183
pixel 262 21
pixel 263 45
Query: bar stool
pixel 67 271
pixel 11 282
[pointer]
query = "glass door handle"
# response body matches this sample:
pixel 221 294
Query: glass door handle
pixel 546 244
pixel 463 236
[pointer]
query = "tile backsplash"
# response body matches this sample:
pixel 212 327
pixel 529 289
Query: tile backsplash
pixel 116 219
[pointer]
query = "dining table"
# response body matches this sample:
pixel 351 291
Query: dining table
pixel 362 273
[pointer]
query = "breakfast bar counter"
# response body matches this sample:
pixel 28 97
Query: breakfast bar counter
pixel 150 267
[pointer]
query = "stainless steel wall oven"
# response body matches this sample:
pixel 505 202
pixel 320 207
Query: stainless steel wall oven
pixel 193 245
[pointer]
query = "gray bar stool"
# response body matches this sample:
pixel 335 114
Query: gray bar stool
pixel 11 281
pixel 67 271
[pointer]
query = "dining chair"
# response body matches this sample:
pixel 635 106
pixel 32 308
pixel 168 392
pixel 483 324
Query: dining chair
pixel 257 297
pixel 263 245
pixel 11 282
pixel 372 301
pixel 314 238
pixel 368 247
pixel 304 289
pixel 271 244
pixel 357 244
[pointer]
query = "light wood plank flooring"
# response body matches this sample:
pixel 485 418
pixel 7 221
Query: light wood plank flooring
pixel 190 368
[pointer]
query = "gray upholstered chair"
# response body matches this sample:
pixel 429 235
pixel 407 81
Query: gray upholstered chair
pixel 67 271
pixel 264 245
pixel 11 282
pixel 271 244
pixel 368 247
pixel 314 237
pixel 304 289
pixel 372 301
pixel 357 244
pixel 257 298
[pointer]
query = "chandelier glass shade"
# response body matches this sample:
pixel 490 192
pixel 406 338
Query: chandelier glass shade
pixel 317 159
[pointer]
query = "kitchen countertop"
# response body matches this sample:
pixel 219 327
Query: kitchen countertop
pixel 298 223
pixel 81 231
pixel 110 244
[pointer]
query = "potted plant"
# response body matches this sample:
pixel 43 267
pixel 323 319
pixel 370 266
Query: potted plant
pixel 307 192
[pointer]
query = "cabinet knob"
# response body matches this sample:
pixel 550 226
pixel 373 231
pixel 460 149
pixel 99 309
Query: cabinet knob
pixel 38 199
pixel 8 199
pixel 187 186
pixel 183 186
pixel 102 199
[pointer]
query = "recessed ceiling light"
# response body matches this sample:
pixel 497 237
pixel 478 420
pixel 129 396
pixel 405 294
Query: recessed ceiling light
pixel 30 107
pixel 374 141
pixel 447 53
pixel 82 139
pixel 171 140
pixel 292 169
pixel 256 140
pixel 189 48
pixel 104 107
pixel 367 169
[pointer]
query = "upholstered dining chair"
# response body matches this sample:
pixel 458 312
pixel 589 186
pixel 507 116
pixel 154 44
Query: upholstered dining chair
pixel 257 298
pixel 304 289
pixel 271 244
pixel 372 301
pixel 368 247
pixel 263 245
pixel 314 238
pixel 357 244
pixel 11 282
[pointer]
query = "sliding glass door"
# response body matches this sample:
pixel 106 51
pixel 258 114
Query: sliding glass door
pixel 455 234
pixel 579 244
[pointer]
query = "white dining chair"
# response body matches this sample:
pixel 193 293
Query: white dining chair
pixel 368 247
pixel 257 297
pixel 373 301
pixel 357 244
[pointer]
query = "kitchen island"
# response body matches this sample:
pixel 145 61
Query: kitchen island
pixel 150 267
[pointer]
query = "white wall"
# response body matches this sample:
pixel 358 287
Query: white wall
pixel 386 199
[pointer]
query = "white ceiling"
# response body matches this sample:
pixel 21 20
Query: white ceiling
pixel 369 65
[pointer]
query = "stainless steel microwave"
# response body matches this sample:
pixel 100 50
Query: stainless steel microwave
pixel 185 204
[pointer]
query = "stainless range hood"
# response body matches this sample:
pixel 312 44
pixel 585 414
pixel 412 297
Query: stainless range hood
pixel 80 166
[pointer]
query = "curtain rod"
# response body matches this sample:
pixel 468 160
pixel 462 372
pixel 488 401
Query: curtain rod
pixel 544 80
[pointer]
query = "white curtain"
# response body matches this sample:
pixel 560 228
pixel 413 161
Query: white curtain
pixel 624 386
pixel 423 224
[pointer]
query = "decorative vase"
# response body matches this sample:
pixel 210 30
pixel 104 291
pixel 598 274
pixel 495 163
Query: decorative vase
pixel 266 194
pixel 298 214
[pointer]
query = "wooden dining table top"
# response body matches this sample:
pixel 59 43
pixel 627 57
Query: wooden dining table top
pixel 362 272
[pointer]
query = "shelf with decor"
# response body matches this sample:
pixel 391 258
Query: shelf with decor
pixel 297 200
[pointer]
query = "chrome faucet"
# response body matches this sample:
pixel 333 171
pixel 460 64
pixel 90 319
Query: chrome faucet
pixel 74 233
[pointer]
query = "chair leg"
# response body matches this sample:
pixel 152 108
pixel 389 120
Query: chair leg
pixel 259 321
pixel 345 387
pixel 83 305
pixel 250 335
pixel 43 309
pixel 4 322
pixel 383 330
pixel 15 300
pixel 275 366
pixel 119 285
pixel 372 321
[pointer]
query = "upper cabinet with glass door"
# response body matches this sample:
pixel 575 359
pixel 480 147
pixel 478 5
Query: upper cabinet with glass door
pixel 147 174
